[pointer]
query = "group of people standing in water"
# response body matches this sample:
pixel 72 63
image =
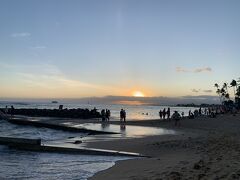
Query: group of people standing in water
pixel 163 114
pixel 105 114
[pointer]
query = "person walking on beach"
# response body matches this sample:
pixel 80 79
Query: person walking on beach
pixel 168 113
pixel 176 117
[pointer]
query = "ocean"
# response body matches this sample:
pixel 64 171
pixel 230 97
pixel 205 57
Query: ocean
pixel 33 165
pixel 134 112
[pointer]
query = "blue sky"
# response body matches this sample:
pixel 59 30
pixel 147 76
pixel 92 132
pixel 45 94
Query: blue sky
pixel 113 47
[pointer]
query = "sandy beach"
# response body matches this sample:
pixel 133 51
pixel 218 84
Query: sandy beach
pixel 203 148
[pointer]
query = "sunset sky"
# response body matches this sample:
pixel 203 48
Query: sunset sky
pixel 81 48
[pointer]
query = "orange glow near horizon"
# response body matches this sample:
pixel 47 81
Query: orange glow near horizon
pixel 138 94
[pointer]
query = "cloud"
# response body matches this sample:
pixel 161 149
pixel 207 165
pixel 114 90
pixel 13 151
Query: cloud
pixel 48 76
pixel 180 69
pixel 208 91
pixel 206 69
pixel 38 47
pixel 201 91
pixel 22 34
pixel 195 90
pixel 197 70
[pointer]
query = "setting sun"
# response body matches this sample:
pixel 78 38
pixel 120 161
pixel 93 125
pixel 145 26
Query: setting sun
pixel 138 94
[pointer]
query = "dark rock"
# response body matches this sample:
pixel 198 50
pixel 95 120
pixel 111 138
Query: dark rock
pixel 77 142
pixel 62 113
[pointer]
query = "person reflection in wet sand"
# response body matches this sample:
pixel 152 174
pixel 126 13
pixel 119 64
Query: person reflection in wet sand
pixel 104 125
pixel 122 127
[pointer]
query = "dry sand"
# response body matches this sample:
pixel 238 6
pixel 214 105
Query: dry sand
pixel 204 148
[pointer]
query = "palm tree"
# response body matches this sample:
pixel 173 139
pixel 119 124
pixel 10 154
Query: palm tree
pixel 225 86
pixel 227 96
pixel 234 86
pixel 238 92
pixel 218 92
pixel 223 92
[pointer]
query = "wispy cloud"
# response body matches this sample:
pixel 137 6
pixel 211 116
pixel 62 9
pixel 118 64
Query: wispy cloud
pixel 197 70
pixel 206 69
pixel 48 76
pixel 195 90
pixel 201 91
pixel 22 34
pixel 208 91
pixel 180 69
pixel 38 47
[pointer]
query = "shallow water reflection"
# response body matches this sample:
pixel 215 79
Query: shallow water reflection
pixel 128 130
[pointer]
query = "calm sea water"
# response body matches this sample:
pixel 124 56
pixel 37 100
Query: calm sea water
pixel 33 165
pixel 134 112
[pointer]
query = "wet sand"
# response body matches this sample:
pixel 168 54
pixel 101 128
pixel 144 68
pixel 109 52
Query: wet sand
pixel 203 148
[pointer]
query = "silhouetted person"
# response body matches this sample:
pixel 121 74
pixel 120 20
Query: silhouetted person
pixel 164 113
pixel 124 115
pixel 176 117
pixel 6 110
pixel 168 113
pixel 200 111
pixel 160 114
pixel 108 114
pixel 95 110
pixel 103 114
pixel 182 114
pixel 60 107
pixel 205 111
pixel 196 113
pixel 121 115
pixel 12 111
pixel 190 115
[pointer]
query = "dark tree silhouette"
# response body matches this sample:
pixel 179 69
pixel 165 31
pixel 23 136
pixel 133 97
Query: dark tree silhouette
pixel 234 86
